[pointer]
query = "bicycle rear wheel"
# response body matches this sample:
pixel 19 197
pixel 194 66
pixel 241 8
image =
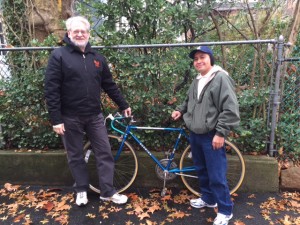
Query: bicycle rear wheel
pixel 126 165
pixel 235 169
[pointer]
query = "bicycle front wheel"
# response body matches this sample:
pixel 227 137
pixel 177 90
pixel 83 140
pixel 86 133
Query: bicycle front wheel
pixel 235 169
pixel 126 165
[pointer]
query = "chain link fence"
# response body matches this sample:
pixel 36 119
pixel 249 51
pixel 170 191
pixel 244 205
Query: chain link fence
pixel 289 111
pixel 154 79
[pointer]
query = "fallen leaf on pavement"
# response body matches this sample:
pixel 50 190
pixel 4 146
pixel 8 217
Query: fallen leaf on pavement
pixel 178 214
pixel 44 221
pixel 9 187
pixel 143 216
pixel 238 222
pixel 90 215
pixel 249 217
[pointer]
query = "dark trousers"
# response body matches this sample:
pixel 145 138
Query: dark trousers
pixel 211 166
pixel 93 126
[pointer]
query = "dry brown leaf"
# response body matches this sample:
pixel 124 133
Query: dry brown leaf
pixel 170 220
pixel 101 208
pixel 55 214
pixel 19 218
pixel 41 204
pixel 154 195
pixel 44 221
pixel 4 218
pixel 49 206
pixel 62 207
pixel 178 215
pixel 297 220
pixel 90 215
pixel 166 198
pixel 209 220
pixel 31 197
pixel 249 217
pixel 238 222
pixel 9 187
pixel 104 215
pixel 138 209
pixel 28 221
pixel 143 216
pixel 295 204
pixel 130 213
pixel 252 196
pixel 133 196
pixel 266 217
pixel 62 219
pixel 154 208
pixel 114 209
pixel 287 220
pixel 148 222
pixel 43 194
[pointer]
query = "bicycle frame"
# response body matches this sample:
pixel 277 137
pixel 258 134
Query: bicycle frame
pixel 127 133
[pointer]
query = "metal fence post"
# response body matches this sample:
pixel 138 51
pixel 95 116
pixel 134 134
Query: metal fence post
pixel 1 137
pixel 276 96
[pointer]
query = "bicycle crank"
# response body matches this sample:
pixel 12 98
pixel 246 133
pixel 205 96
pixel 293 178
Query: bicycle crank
pixel 165 175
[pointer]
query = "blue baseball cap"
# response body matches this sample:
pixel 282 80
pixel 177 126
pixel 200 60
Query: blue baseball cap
pixel 203 49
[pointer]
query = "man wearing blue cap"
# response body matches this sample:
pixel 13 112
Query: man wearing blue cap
pixel 210 111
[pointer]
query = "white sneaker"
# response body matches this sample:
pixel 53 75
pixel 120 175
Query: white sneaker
pixel 81 198
pixel 199 203
pixel 116 198
pixel 222 219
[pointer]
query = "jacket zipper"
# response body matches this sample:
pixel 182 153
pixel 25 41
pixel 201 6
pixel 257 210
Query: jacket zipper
pixel 84 62
pixel 87 88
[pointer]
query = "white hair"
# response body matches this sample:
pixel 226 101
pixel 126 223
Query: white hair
pixel 75 19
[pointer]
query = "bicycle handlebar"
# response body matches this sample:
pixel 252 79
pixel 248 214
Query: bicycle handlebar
pixel 116 118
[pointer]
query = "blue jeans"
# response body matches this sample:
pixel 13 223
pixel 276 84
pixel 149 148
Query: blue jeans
pixel 95 129
pixel 211 166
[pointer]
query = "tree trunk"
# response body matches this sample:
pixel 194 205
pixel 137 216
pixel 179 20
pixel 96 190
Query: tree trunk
pixel 45 17
pixel 295 26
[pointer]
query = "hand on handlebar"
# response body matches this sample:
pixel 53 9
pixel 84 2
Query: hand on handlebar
pixel 127 112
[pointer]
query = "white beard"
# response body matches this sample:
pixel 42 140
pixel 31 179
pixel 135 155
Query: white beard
pixel 79 44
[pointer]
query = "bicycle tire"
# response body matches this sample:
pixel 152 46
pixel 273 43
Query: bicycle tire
pixel 235 169
pixel 126 167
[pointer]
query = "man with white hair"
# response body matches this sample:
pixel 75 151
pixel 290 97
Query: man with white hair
pixel 75 76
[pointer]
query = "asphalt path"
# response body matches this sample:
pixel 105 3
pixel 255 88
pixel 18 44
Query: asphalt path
pixel 55 205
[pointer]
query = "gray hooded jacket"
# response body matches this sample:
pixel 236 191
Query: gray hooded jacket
pixel 216 109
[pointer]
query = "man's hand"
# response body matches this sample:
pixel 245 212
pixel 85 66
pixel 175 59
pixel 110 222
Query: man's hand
pixel 218 142
pixel 176 115
pixel 59 129
pixel 127 112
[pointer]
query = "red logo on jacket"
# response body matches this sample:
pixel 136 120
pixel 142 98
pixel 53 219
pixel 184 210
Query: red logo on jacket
pixel 97 63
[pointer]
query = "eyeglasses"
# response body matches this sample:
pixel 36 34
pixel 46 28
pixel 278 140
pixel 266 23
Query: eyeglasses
pixel 83 32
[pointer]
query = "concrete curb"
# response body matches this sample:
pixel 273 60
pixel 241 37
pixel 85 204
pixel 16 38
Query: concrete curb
pixel 50 168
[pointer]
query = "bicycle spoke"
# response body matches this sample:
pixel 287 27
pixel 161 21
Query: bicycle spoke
pixel 126 166
pixel 235 169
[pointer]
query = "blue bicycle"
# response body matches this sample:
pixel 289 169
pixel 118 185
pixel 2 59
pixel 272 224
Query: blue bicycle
pixel 126 160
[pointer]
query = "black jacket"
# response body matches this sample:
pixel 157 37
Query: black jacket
pixel 74 81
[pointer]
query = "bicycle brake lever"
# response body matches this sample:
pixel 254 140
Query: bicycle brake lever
pixel 132 120
pixel 118 114
pixel 110 116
